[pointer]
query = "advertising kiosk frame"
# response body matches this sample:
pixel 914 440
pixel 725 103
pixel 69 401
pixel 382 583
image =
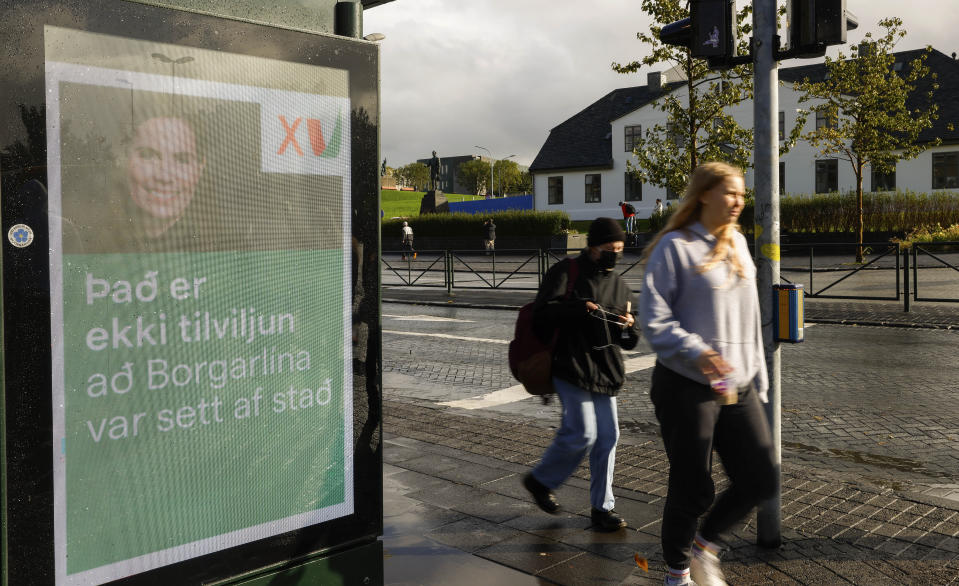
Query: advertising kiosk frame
pixel 191 358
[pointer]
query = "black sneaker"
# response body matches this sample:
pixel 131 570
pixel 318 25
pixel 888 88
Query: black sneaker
pixel 607 520
pixel 544 497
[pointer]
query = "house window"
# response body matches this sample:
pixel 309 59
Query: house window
pixel 555 190
pixel 824 121
pixel 782 177
pixel 883 181
pixel 593 188
pixel 945 170
pixel 633 135
pixel 676 134
pixel 782 125
pixel 827 176
pixel 634 187
pixel 670 194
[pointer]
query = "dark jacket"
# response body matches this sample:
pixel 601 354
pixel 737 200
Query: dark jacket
pixel 587 352
pixel 490 230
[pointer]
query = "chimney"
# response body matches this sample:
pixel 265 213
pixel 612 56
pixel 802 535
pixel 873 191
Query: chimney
pixel 654 80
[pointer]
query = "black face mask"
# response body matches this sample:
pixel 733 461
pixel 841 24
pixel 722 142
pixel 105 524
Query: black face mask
pixel 608 258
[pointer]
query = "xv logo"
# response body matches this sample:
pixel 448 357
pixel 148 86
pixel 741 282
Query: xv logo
pixel 314 130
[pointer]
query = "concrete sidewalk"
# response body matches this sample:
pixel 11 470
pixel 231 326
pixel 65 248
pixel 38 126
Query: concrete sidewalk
pixel 456 513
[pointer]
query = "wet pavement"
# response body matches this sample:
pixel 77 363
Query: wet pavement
pixel 871 492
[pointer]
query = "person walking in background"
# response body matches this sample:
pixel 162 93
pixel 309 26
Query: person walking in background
pixel 489 236
pixel 407 241
pixel 699 310
pixel 591 305
pixel 629 214
pixel 658 209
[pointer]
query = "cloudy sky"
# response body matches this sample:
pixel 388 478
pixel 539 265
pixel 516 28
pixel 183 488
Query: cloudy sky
pixel 501 73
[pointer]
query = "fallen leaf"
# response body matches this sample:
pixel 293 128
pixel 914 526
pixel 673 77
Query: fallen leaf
pixel 641 562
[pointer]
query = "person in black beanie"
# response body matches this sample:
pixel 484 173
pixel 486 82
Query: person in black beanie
pixel 587 304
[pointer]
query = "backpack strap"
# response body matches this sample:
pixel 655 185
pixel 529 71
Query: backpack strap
pixel 572 272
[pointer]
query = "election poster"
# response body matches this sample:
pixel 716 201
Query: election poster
pixel 199 232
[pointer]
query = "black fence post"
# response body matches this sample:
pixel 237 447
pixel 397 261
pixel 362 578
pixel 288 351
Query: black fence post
pixel 906 281
pixel 542 268
pixel 448 271
pixel 898 254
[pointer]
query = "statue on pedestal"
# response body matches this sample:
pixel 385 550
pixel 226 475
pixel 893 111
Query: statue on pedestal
pixel 434 172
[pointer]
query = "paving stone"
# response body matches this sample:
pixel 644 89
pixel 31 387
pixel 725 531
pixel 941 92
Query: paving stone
pixel 530 553
pixel 396 454
pixel 474 474
pixel 860 573
pixel 470 534
pixel 622 545
pixel 552 527
pixel 806 572
pixel 588 570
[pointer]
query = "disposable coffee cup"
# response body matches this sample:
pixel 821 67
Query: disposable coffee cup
pixel 726 393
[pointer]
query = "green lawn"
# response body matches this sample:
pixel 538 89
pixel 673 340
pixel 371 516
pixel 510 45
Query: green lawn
pixel 405 204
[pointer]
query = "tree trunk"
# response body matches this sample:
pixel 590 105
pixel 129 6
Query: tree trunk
pixel 691 135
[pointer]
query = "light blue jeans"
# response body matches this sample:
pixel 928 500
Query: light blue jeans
pixel 589 425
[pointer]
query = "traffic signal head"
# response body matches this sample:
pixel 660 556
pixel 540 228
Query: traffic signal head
pixel 817 24
pixel 713 28
pixel 708 33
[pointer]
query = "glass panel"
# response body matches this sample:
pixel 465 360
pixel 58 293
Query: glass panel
pixel 634 187
pixel 945 170
pixel 593 188
pixel 827 176
pixel 555 190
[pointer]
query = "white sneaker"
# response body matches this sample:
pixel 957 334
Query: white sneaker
pixel 677 581
pixel 704 569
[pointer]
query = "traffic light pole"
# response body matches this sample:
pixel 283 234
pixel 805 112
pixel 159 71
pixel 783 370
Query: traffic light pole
pixel 766 183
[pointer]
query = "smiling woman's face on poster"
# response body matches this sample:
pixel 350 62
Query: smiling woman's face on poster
pixel 163 168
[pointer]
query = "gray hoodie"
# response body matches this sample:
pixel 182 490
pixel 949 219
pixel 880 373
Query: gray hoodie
pixel 683 312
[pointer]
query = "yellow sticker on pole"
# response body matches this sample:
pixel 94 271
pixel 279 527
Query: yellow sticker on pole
pixel 771 251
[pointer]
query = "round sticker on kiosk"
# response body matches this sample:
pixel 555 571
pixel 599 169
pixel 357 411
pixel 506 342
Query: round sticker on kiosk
pixel 20 235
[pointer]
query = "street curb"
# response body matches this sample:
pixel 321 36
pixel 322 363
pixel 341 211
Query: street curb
pixel 828 321
pixel 453 304
pixel 881 324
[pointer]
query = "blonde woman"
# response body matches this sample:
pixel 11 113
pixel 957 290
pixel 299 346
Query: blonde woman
pixel 699 309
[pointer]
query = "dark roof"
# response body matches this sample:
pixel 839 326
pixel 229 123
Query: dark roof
pixel 584 139
pixel 943 66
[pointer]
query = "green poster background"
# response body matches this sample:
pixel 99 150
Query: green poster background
pixel 140 490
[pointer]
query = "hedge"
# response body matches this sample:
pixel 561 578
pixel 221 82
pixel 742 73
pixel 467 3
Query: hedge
pixel 529 223
pixel 901 212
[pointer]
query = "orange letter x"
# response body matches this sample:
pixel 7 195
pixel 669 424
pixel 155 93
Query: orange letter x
pixel 290 136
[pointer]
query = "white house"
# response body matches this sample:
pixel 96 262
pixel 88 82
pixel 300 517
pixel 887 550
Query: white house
pixel 581 168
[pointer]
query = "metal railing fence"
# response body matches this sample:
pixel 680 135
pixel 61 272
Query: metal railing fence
pixel 827 270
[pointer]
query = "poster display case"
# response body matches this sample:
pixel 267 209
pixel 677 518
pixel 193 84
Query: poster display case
pixel 191 384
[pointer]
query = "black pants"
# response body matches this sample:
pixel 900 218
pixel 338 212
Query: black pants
pixel 692 424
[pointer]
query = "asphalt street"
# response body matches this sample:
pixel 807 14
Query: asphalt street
pixel 875 402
